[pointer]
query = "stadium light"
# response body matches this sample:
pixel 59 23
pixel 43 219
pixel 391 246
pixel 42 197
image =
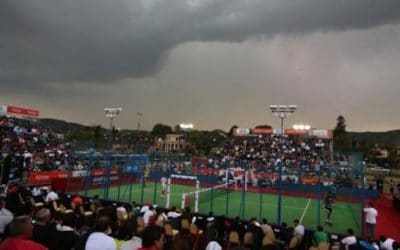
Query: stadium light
pixel 111 113
pixel 282 112
pixel 138 114
pixel 186 126
pixel 301 127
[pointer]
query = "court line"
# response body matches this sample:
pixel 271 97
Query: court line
pixel 305 210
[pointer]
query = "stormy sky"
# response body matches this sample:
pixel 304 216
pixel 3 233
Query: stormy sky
pixel 214 63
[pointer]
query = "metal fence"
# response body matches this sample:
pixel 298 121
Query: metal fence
pixel 281 194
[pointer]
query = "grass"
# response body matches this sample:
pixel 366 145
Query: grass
pixel 234 203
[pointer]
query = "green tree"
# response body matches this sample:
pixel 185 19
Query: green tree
pixel 230 133
pixel 341 139
pixel 264 126
pixel 160 130
pixel 97 136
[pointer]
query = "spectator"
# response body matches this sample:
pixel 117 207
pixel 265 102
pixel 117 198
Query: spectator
pixel 388 243
pixel 99 239
pixel 21 234
pixel 298 234
pixel 5 217
pixel 44 232
pixel 370 220
pixel 350 239
pixel 320 239
pixel 51 196
pixel 66 236
pixel 182 242
pixel 148 214
pixel 134 242
pixel 152 238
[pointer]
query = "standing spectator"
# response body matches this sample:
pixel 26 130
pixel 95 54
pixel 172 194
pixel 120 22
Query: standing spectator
pixel 350 239
pixel 21 234
pixel 99 239
pixel 5 217
pixel 152 238
pixel 370 220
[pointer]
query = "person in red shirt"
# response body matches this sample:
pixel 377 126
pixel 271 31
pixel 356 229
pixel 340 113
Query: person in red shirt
pixel 21 233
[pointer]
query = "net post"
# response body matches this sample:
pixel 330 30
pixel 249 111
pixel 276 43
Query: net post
pixel 168 200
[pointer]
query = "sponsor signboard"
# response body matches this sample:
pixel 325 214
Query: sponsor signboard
pixel 12 110
pixel 242 131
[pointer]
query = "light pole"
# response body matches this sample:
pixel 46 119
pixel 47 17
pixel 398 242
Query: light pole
pixel 282 112
pixel 138 114
pixel 111 113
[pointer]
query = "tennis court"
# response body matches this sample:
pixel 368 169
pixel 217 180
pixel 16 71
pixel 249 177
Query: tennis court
pixel 244 204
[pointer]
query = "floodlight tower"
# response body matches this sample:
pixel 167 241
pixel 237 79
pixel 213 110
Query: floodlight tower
pixel 282 112
pixel 111 113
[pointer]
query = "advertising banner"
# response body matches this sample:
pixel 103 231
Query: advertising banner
pixel 11 110
pixel 241 131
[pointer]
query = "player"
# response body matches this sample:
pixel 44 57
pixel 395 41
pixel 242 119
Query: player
pixel 163 186
pixel 328 202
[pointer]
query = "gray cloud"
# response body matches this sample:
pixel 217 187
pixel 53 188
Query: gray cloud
pixel 102 41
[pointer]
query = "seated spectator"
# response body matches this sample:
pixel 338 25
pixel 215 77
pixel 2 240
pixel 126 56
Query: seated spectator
pixel 134 242
pixel 51 196
pixel 298 234
pixel 66 235
pixel 350 239
pixel 99 239
pixel 20 235
pixel 152 238
pixel 5 217
pixel 269 235
pixel 148 214
pixel 182 242
pixel 388 243
pixel 172 214
pixel 320 239
pixel 44 232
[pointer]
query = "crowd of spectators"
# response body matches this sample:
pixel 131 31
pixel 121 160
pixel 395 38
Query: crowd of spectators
pixel 39 218
pixel 265 152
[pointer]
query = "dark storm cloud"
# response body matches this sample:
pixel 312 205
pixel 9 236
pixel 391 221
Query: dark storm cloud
pixel 103 40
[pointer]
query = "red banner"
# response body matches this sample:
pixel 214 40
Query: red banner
pixel 22 111
pixel 262 131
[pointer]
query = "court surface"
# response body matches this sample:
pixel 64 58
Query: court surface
pixel 234 203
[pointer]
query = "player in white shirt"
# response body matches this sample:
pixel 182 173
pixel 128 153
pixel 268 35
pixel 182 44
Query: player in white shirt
pixel 388 243
pixel 370 220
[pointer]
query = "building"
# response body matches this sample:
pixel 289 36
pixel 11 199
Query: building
pixel 171 143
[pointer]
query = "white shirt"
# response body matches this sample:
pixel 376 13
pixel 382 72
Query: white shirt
pixel 147 215
pixel 100 241
pixel 299 230
pixel 132 244
pixel 371 215
pixel 173 214
pixel 213 245
pixel 52 196
pixel 5 218
pixel 349 240
pixel 387 244
pixel 144 209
